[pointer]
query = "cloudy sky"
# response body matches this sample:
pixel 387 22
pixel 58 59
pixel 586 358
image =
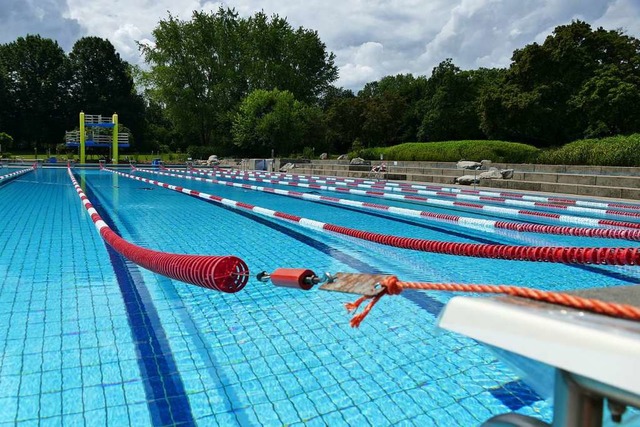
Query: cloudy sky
pixel 371 38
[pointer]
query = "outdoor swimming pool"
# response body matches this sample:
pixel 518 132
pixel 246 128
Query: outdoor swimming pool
pixel 87 337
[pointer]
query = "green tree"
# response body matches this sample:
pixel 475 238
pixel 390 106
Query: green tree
pixel 36 79
pixel 4 94
pixel 287 59
pixel 6 142
pixel 103 84
pixel 610 102
pixel 403 92
pixel 343 118
pixel 450 109
pixel 203 68
pixel 270 120
pixel 548 90
pixel 382 119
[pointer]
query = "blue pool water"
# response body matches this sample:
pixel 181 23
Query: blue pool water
pixel 88 338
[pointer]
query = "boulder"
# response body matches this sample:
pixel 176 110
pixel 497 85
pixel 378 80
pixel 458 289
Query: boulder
pixel 324 156
pixel 507 173
pixel 467 180
pixel 492 173
pixel 466 164
pixel 287 167
pixel 357 161
pixel 343 157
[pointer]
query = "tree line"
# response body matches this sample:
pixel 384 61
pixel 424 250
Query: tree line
pixel 43 89
pixel 229 85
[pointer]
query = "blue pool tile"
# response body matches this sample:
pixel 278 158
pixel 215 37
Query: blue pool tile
pixel 51 382
pixel 515 395
pixel 75 420
pixel 28 408
pixel 140 413
pixel 115 395
pixel 93 398
pixel 72 401
pixel 9 410
pixel 134 392
pixel 50 405
pixel 96 416
pixel 199 403
pixel 51 421
pixel 266 414
pixel 9 385
pixel 118 415
pixel 223 419
pixel 30 384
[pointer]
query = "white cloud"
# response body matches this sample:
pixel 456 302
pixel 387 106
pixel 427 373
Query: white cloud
pixel 371 39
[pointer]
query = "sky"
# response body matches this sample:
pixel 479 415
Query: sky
pixel 370 38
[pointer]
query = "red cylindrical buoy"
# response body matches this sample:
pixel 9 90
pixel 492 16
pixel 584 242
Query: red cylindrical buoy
pixel 293 278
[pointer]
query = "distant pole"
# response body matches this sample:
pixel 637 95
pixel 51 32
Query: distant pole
pixel 82 138
pixel 115 139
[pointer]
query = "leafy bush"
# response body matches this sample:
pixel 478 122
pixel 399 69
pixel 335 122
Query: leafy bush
pixel 6 141
pixel 369 153
pixel 612 151
pixel 452 151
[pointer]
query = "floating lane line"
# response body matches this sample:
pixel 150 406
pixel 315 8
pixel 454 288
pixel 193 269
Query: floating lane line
pixel 221 273
pixel 405 187
pixel 475 223
pixel 570 219
pixel 16 173
pixel 479 198
pixel 556 254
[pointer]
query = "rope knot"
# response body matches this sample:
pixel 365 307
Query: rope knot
pixel 391 283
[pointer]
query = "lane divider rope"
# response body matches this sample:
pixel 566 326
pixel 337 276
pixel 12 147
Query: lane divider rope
pixel 221 273
pixel 400 185
pixel 570 219
pixel 17 173
pixel 481 198
pixel 555 254
pixel 608 233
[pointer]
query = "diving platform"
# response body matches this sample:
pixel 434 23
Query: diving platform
pixel 90 135
pixel 589 358
pixel 72 139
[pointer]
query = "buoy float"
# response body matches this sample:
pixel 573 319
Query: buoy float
pixel 298 278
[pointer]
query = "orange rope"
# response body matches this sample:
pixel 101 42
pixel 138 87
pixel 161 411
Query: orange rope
pixel 394 287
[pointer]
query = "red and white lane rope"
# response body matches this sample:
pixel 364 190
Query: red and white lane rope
pixel 406 187
pixel 17 173
pixel 570 219
pixel 565 255
pixel 221 273
pixel 607 233
pixel 478 198
pixel 410 188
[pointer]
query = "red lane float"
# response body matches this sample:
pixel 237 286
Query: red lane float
pixel 221 273
pixel 556 254
pixel 400 185
pixel 293 278
pixel 607 233
pixel 447 203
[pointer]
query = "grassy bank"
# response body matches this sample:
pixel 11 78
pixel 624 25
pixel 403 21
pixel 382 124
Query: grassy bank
pixel 452 151
pixel 622 150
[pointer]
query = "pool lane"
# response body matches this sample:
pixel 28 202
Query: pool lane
pixel 166 396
